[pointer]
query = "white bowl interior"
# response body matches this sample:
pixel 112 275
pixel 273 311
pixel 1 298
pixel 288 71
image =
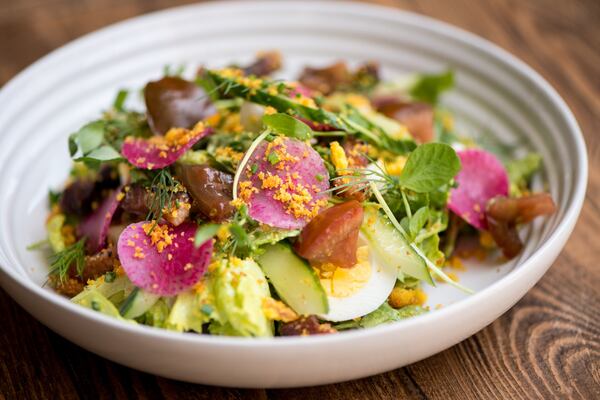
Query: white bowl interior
pixel 494 95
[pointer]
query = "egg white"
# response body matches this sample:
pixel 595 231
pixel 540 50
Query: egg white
pixel 366 299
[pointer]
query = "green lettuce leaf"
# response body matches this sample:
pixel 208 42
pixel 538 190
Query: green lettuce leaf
pixel 520 172
pixel 192 309
pixel 383 315
pixel 240 289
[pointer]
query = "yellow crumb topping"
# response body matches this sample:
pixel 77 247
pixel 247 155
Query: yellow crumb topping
pixel 486 240
pixel 401 297
pixel 396 165
pixel 456 263
pixel 159 235
pixel 338 156
pixel 277 311
pixel 223 233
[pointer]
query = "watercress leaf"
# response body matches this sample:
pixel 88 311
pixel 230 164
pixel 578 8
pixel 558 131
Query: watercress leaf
pixel 73 144
pixel 90 136
pixel 53 197
pixel 429 166
pixel 102 153
pixel 288 126
pixel 418 221
pixel 205 232
pixel 120 99
pixel 429 87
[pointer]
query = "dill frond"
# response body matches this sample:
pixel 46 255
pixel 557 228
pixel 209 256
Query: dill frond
pixel 61 262
pixel 163 186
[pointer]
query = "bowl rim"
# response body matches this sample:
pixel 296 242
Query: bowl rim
pixel 560 233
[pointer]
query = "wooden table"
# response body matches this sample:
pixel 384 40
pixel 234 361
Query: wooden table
pixel 547 346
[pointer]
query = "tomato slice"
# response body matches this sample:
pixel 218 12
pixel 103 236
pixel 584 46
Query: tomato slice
pixel 332 236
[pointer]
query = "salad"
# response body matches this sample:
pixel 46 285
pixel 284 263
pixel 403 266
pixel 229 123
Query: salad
pixel 240 204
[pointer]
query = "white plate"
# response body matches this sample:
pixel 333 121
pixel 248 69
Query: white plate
pixel 496 95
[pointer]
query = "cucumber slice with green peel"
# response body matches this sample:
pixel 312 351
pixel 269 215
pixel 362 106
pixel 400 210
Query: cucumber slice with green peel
pixel 137 303
pixel 96 301
pixel 113 289
pixel 391 248
pixel 294 280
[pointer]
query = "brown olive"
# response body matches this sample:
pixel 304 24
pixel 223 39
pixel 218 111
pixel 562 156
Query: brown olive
pixel 211 190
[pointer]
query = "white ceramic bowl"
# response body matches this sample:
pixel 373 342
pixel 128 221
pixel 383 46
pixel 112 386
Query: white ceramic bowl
pixel 496 94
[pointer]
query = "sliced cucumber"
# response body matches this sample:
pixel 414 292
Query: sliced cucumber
pixel 391 247
pixel 137 303
pixel 113 290
pixel 96 301
pixel 294 280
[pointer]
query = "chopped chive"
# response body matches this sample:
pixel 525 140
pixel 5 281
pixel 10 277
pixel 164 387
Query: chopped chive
pixel 273 158
pixel 319 177
pixel 254 168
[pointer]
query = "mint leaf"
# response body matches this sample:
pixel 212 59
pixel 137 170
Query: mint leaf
pixel 205 232
pixel 287 126
pixel 429 87
pixel 428 167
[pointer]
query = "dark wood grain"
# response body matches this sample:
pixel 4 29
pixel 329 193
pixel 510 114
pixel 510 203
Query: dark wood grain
pixel 547 346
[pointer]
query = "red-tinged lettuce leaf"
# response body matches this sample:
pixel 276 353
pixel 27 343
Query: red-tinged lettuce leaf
pixel 481 178
pixel 317 126
pixel 283 183
pixel 162 259
pixel 161 151
pixel 174 102
pixel 95 226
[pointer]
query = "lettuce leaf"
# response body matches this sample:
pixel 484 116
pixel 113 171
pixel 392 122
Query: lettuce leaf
pixel 240 288
pixel 192 309
pixel 520 172
pixel 383 315
pixel 157 315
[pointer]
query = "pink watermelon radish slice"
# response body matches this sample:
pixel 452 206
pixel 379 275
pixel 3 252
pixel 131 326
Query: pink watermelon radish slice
pixel 95 226
pixel 161 258
pixel 481 178
pixel 283 183
pixel 160 151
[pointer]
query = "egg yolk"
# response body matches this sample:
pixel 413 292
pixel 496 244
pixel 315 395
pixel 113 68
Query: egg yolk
pixel 344 282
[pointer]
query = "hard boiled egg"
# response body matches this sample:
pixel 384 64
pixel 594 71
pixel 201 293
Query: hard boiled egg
pixel 357 291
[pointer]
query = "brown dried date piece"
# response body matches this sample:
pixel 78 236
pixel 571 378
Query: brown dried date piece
pixel 305 326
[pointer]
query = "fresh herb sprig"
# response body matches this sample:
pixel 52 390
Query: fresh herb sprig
pixel 412 244
pixel 349 120
pixel 163 188
pixel 61 262
pixel 101 140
